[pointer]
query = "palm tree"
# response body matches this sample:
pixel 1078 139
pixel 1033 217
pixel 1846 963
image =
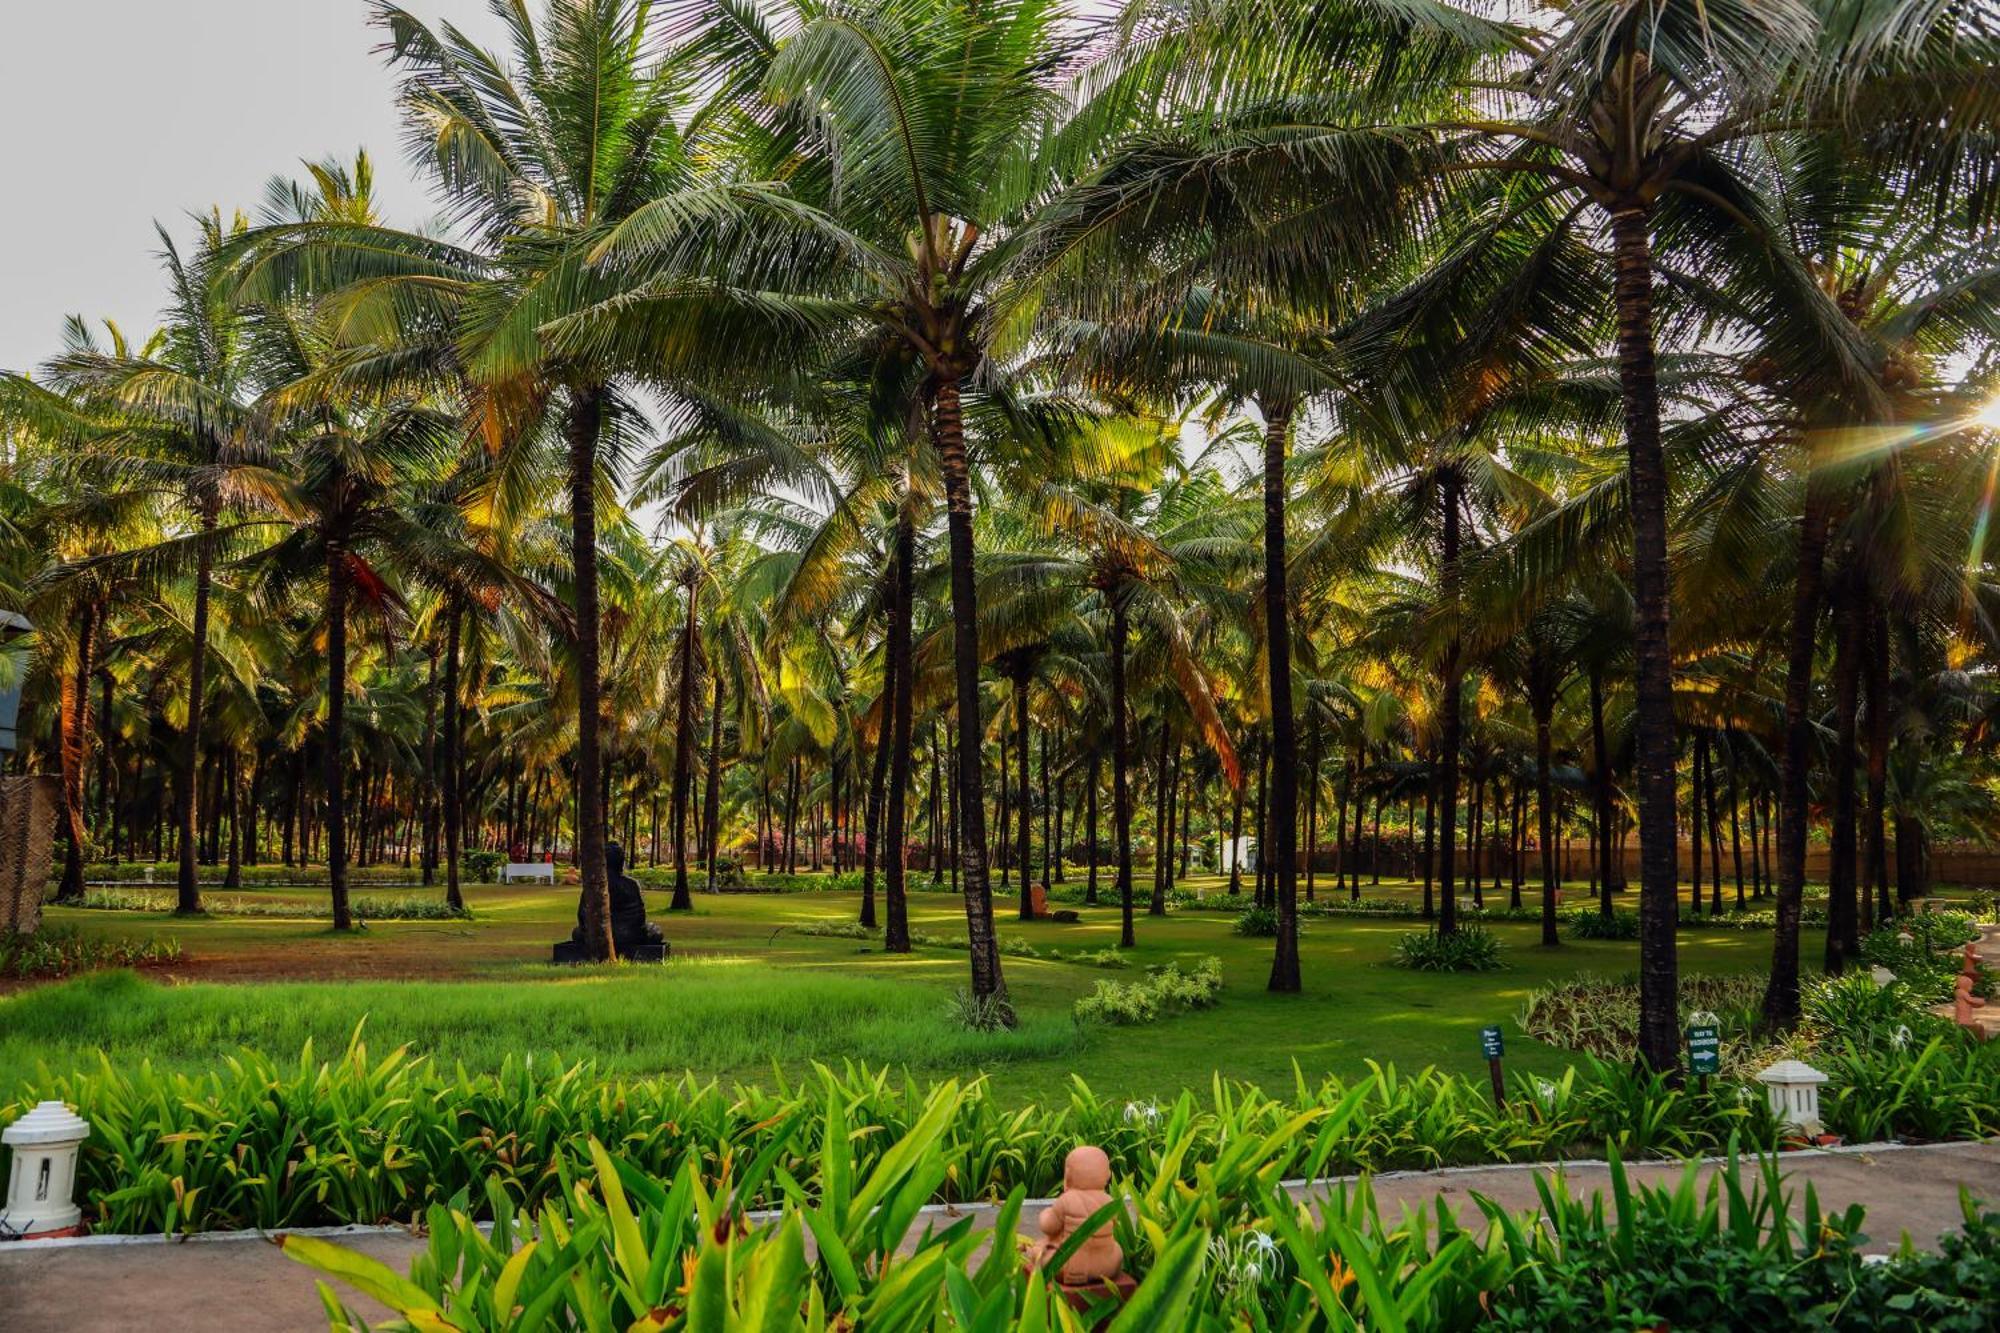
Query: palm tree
pixel 538 158
pixel 172 416
pixel 1639 111
pixel 920 144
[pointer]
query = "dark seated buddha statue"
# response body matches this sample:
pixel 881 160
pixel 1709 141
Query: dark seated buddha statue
pixel 635 938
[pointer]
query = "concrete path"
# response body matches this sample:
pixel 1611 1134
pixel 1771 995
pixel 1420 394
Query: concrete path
pixel 243 1284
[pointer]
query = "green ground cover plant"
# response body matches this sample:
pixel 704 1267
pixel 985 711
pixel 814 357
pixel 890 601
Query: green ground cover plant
pixel 1161 993
pixel 253 1142
pixel 622 1246
pixel 1472 948
pixel 60 952
pixel 366 907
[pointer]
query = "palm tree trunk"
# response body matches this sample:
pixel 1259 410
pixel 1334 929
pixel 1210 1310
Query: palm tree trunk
pixel 1600 791
pixel 1781 996
pixel 1714 815
pixel 1430 842
pixel 1735 810
pixel 1284 737
pixel 1121 759
pixel 1312 808
pixel 188 891
pixel 1163 822
pixel 1694 822
pixel 1340 831
pixel 1659 968
pixel 684 755
pixel 878 778
pixel 1090 824
pixel 896 935
pixel 585 423
pixel 711 804
pixel 1450 728
pixel 1877 681
pixel 430 793
pixel 454 756
pixel 1545 809
pixel 1236 840
pixel 948 436
pixel 1843 934
pixel 336 699
pixel 1025 802
pixel 73 730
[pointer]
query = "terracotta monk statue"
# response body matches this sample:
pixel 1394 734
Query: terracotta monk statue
pixel 1086 1172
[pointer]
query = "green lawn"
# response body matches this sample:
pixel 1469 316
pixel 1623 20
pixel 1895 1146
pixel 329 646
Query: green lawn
pixel 747 991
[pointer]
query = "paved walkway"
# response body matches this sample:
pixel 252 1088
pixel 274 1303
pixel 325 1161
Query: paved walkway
pixel 241 1284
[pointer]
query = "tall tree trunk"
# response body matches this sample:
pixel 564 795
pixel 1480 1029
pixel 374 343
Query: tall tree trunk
pixel 1284 739
pixel 1312 808
pixel 1545 803
pixel 896 935
pixel 1121 761
pixel 1600 792
pixel 1732 747
pixel 1714 816
pixel 1450 729
pixel 1877 681
pixel 336 700
pixel 878 781
pixel 684 743
pixel 1341 804
pixel 73 733
pixel 232 878
pixel 1843 933
pixel 1025 812
pixel 948 435
pixel 1430 841
pixel 1048 816
pixel 1163 822
pixel 1236 840
pixel 1090 823
pixel 1694 822
pixel 1781 996
pixel 1653 681
pixel 187 888
pixel 711 805
pixel 586 420
pixel 429 858
pixel 454 756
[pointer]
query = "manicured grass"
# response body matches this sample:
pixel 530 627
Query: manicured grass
pixel 746 990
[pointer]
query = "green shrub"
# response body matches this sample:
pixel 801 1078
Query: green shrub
pixel 1928 963
pixel 1163 992
pixel 1257 922
pixel 1106 957
pixel 60 951
pixel 1590 924
pixel 1471 948
pixel 838 930
pixel 1600 1016
pixel 480 865
pixel 252 1143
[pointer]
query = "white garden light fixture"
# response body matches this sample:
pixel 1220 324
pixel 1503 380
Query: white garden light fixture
pixel 1793 1087
pixel 41 1187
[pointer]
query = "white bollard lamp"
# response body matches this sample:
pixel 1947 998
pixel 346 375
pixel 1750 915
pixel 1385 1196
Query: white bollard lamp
pixel 41 1187
pixel 1793 1088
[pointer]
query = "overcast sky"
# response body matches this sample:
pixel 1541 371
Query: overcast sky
pixel 118 112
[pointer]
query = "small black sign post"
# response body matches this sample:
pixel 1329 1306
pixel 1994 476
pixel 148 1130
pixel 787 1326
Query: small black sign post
pixel 1492 1047
pixel 1704 1039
